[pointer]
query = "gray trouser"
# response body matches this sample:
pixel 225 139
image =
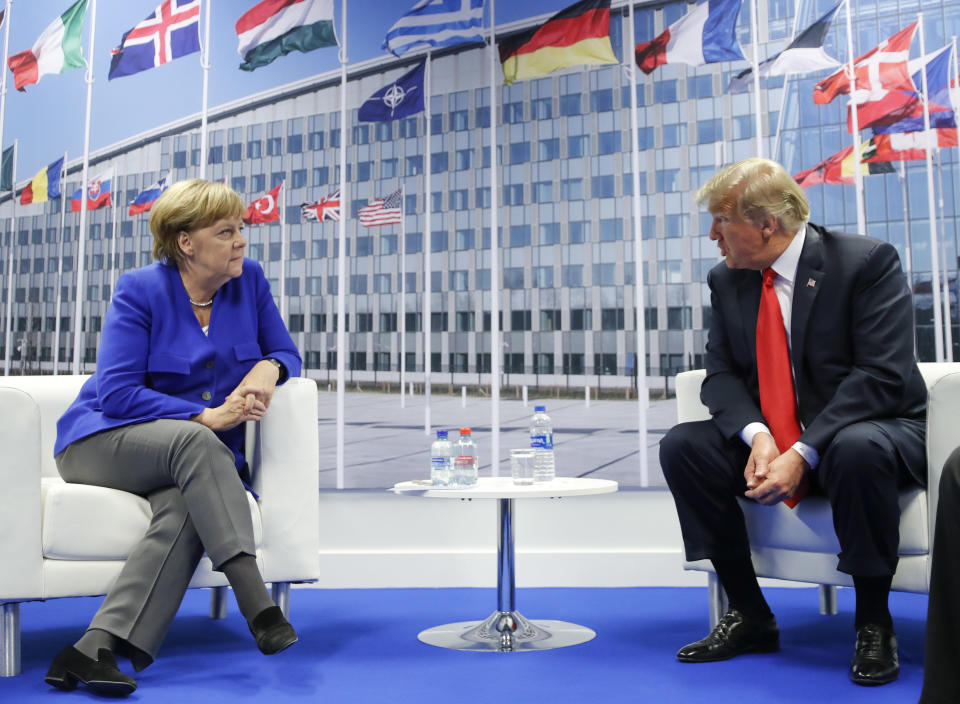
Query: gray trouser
pixel 199 504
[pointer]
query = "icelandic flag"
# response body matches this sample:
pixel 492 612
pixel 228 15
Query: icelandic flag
pixel 146 198
pixel 436 23
pixel 705 35
pixel 171 31
pixel 98 192
pixel 903 111
pixel 402 98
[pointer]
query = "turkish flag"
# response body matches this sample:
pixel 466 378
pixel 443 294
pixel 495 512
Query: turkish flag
pixel 264 209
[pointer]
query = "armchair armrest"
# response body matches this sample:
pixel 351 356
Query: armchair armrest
pixel 689 406
pixel 943 428
pixel 284 467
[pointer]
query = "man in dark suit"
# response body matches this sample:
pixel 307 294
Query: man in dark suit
pixel 813 386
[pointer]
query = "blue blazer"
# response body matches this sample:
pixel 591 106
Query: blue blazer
pixel 155 362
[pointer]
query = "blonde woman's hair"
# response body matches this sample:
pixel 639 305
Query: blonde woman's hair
pixel 753 189
pixel 186 206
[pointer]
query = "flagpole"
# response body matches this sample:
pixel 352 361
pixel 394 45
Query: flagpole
pixel 3 87
pixel 427 248
pixel 908 248
pixel 58 297
pixel 113 238
pixel 205 65
pixel 13 244
pixel 282 206
pixel 81 238
pixel 402 307
pixel 786 83
pixel 948 327
pixel 495 349
pixel 934 247
pixel 857 173
pixel 640 363
pixel 342 254
pixel 755 62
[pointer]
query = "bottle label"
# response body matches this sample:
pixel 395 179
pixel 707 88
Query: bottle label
pixel 440 462
pixel 542 442
pixel 463 461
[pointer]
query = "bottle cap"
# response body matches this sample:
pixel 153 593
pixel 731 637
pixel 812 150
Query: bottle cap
pixel 441 433
pixel 537 409
pixel 466 431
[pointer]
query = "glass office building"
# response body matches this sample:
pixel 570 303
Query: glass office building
pixel 567 296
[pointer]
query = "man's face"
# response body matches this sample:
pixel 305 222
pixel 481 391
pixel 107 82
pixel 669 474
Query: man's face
pixel 741 242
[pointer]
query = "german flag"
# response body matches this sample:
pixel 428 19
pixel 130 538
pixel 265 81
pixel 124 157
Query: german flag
pixel 578 35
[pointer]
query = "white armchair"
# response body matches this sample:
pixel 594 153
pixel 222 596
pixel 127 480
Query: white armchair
pixel 801 545
pixel 62 540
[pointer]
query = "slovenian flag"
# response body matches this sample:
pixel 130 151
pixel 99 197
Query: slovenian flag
pixel 98 193
pixel 57 49
pixel 145 200
pixel 705 35
pixel 274 28
pixel 44 186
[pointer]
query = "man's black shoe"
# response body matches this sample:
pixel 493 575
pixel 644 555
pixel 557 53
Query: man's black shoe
pixel 733 635
pixel 100 675
pixel 875 660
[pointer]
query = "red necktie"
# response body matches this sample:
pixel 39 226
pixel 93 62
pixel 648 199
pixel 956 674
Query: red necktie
pixel 777 399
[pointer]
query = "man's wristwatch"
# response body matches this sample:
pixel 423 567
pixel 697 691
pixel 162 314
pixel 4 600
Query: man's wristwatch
pixel 280 368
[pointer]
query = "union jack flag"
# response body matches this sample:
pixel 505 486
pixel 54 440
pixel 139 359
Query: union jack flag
pixel 171 31
pixel 324 209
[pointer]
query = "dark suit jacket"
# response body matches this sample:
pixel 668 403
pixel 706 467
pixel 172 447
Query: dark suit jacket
pixel 851 340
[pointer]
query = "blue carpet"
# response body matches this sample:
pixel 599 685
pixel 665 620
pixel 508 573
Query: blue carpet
pixel 361 646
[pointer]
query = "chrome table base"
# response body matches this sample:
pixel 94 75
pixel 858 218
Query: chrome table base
pixel 506 632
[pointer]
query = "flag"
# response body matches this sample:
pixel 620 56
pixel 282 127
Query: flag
pixel 382 211
pixel 402 98
pixel 264 209
pixel 805 54
pixel 98 193
pixel 577 35
pixel 324 209
pixel 6 170
pixel 839 168
pixel 146 198
pixel 705 35
pixel 436 23
pixel 902 111
pixel 881 69
pixel 911 146
pixel 169 32
pixel 44 186
pixel 274 28
pixel 57 49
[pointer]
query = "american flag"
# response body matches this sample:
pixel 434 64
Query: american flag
pixel 324 209
pixel 382 211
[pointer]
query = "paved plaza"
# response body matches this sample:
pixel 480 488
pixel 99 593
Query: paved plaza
pixel 385 443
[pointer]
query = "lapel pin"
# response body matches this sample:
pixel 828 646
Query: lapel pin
pixel 811 283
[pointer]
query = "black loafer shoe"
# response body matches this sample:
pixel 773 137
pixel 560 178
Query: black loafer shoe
pixel 100 675
pixel 875 660
pixel 272 631
pixel 733 635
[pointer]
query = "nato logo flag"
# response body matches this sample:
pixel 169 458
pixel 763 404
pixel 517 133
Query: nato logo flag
pixel 402 98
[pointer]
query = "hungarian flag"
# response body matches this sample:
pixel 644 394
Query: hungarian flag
pixel 577 35
pixel 274 28
pixel 264 209
pixel 44 186
pixel 98 192
pixel 705 35
pixel 839 168
pixel 57 49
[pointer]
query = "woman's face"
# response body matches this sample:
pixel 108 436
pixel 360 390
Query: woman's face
pixel 215 251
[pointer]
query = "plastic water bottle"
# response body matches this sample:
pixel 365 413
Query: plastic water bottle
pixel 465 460
pixel 541 440
pixel 441 461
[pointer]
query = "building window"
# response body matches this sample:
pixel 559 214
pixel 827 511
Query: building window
pixel 513 278
pixel 543 277
pixel 581 319
pixel 611 319
pixel 550 320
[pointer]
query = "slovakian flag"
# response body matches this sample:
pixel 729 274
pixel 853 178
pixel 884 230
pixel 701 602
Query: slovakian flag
pixel 169 32
pixel 382 211
pixel 902 111
pixel 265 209
pixel 57 49
pixel 805 54
pixel 44 186
pixel 577 35
pixel 402 98
pixel 98 193
pixel 146 198
pixel 705 35
pixel 274 28
pixel 324 209
pixel 839 168
pixel 436 23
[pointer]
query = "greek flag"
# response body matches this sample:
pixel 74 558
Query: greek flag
pixel 436 23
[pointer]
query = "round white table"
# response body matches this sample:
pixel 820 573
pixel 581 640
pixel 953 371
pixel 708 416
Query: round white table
pixel 506 630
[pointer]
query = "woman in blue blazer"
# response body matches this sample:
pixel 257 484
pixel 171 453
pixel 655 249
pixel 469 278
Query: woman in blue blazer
pixel 192 347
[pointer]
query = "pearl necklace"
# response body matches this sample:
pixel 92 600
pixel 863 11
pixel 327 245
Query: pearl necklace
pixel 200 305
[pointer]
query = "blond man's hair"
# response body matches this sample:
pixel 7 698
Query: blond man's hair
pixel 186 206
pixel 753 189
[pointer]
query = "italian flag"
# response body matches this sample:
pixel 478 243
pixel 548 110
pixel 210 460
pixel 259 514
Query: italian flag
pixel 274 28
pixel 57 49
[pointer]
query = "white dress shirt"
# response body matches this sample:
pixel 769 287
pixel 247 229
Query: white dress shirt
pixel 786 268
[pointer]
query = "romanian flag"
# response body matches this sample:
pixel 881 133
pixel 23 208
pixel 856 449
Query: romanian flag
pixel 44 186
pixel 578 35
